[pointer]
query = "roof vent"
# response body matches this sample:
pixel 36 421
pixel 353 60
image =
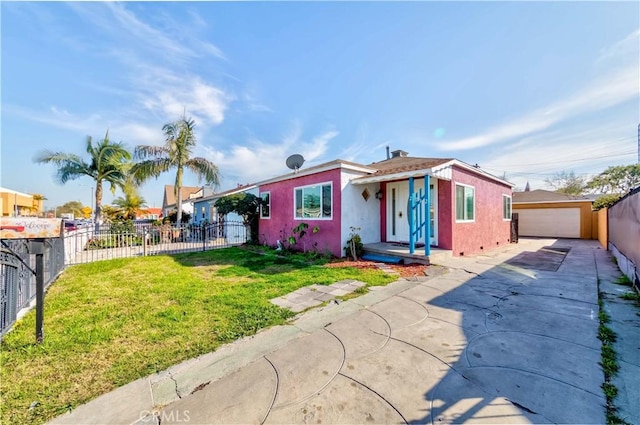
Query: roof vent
pixel 399 154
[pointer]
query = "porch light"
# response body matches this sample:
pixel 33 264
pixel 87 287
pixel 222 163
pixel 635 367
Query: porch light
pixel 379 194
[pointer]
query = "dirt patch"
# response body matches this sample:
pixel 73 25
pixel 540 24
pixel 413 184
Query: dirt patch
pixel 404 270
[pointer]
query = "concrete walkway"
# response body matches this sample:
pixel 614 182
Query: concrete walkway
pixel 506 337
pixel 314 295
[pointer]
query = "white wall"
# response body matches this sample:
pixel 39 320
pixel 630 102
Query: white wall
pixel 357 212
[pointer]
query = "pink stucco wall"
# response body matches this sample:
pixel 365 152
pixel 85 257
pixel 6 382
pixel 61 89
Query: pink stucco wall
pixel 282 219
pixel 489 230
pixel 445 208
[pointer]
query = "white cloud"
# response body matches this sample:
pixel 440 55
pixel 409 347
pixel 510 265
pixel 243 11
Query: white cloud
pixel 139 134
pixel 56 117
pixel 585 152
pixel 363 149
pixel 157 62
pixel 625 48
pixel 258 160
pixel 171 98
pixel 616 88
pixel 175 41
pixel 620 83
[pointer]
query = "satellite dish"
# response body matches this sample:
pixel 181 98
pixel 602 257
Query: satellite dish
pixel 295 161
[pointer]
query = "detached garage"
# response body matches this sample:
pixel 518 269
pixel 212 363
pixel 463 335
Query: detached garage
pixel 543 213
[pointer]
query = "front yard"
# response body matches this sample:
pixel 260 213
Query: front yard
pixel 111 322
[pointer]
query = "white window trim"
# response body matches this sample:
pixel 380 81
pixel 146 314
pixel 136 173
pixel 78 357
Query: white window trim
pixel 262 216
pixel 455 197
pixel 330 183
pixel 510 207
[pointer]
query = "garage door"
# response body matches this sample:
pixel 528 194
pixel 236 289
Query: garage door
pixel 549 222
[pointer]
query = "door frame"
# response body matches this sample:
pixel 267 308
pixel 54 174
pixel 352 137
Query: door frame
pixel 402 190
pixel 395 206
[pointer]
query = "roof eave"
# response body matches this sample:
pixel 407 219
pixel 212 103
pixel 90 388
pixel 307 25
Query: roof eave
pixel 480 171
pixel 226 193
pixel 398 176
pixel 557 201
pixel 318 169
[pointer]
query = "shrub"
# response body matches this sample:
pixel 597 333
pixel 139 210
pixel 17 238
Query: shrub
pixel 605 201
pixel 354 248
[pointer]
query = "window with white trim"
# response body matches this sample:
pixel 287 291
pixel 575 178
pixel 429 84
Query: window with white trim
pixel 465 203
pixel 265 205
pixel 313 201
pixel 506 207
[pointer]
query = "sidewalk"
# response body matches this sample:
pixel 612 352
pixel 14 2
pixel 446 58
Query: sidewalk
pixel 509 336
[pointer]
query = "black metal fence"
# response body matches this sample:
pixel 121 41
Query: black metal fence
pixel 17 276
pixel 86 245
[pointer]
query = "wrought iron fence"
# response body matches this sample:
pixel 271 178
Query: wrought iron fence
pixel 17 264
pixel 17 276
pixel 86 245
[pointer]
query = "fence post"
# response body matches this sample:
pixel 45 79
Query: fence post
pixel 145 237
pixel 37 247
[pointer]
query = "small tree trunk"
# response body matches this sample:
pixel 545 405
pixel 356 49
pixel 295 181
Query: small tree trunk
pixel 98 211
pixel 178 189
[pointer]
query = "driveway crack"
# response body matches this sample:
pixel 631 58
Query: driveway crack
pixel 275 393
pixel 175 383
pixel 376 393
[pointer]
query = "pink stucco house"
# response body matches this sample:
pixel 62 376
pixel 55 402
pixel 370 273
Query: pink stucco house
pixel 468 209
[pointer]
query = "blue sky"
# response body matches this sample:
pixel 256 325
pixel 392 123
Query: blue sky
pixel 524 89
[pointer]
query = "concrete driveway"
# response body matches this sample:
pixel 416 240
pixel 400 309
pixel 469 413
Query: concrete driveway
pixel 505 337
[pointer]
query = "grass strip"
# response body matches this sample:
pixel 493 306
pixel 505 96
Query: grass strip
pixel 609 363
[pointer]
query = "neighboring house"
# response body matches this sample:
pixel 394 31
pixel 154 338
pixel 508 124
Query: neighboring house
pixel 149 214
pixel 13 204
pixel 544 213
pixel 205 209
pixel 470 209
pixel 189 194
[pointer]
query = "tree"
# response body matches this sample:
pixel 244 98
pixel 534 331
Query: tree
pixel 245 205
pixel 618 179
pixel 106 164
pixel 71 207
pixel 111 213
pixel 605 201
pixel 567 182
pixel 130 204
pixel 180 141
pixel 173 217
pixel 37 202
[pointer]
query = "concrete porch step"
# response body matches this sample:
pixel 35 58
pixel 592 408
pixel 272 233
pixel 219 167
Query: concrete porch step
pixel 401 251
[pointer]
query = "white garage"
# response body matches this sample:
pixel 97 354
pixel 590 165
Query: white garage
pixel 549 222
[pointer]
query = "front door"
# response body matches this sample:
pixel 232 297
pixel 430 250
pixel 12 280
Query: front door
pixel 397 221
pixel 398 205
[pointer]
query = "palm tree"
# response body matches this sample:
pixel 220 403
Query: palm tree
pixel 131 202
pixel 107 163
pixel 37 202
pixel 180 141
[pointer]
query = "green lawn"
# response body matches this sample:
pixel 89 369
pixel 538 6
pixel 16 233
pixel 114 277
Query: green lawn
pixel 111 322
